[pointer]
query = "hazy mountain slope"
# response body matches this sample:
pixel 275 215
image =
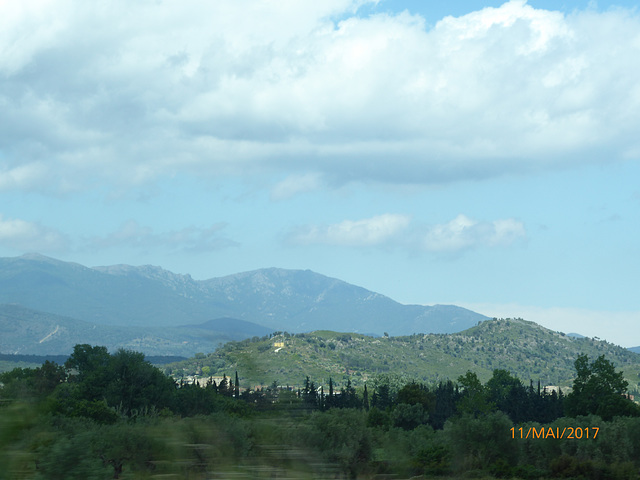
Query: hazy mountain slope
pixel 524 348
pixel 302 300
pixel 231 327
pixel 92 295
pixel 289 300
pixel 28 331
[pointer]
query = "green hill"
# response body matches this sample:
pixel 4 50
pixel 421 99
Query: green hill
pixel 524 348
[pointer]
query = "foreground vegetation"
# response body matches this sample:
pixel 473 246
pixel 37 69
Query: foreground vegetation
pixel 115 415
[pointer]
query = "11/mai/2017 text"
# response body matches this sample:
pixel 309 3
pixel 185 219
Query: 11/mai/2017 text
pixel 550 432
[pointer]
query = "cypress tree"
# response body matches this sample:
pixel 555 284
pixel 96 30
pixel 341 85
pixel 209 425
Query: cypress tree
pixel 331 396
pixel 365 398
pixel 223 386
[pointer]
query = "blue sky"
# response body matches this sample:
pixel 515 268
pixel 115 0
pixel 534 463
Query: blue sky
pixel 483 154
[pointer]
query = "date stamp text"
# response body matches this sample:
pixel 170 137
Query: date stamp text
pixel 557 432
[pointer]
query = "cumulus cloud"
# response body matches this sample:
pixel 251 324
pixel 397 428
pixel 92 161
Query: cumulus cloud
pixel 30 236
pixel 372 231
pixel 190 239
pixel 463 233
pixel 128 92
pixel 459 234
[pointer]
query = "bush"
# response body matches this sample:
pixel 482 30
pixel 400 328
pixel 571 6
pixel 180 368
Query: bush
pixel 477 443
pixel 342 437
pixel 408 416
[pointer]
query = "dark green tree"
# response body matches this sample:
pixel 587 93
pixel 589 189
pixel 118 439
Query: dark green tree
pixel 447 396
pixel 135 384
pixel 482 442
pixel 416 393
pixel 88 368
pixel 124 380
pixel 86 360
pixel 382 397
pixel 343 438
pixel 473 399
pixel 508 394
pixel 408 416
pixel 32 383
pixel 365 398
pixel 598 389
pixel 48 377
pixel 223 386
pixel 330 402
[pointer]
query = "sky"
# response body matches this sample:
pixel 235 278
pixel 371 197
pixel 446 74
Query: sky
pixel 477 153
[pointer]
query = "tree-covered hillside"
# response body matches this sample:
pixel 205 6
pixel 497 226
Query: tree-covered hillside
pixel 524 348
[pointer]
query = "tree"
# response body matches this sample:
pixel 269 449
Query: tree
pixel 480 442
pixel 343 438
pixel 309 393
pixel 124 379
pixel 365 398
pixel 23 383
pixel 124 444
pixel 408 416
pixel 508 394
pixel 223 386
pixel 415 393
pixel 48 377
pixel 473 399
pixel 88 368
pixel 134 383
pixel 330 402
pixel 348 397
pixel 382 396
pixel 598 389
pixel 447 396
pixel 87 360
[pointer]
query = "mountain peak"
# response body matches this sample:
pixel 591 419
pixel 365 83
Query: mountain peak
pixel 277 298
pixel 37 257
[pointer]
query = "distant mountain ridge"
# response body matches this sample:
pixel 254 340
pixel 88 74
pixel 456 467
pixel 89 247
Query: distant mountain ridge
pixel 27 331
pixel 278 299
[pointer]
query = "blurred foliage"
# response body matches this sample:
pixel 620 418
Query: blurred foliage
pixel 107 415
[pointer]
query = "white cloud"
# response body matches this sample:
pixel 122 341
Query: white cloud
pixel 27 236
pixel 355 233
pixel 295 184
pixel 463 232
pixel 189 239
pixel 619 327
pixel 459 234
pixel 127 92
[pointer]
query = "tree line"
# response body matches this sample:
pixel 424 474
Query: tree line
pixel 103 415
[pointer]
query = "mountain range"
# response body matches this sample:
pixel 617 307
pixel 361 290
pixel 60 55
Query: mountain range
pixel 48 305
